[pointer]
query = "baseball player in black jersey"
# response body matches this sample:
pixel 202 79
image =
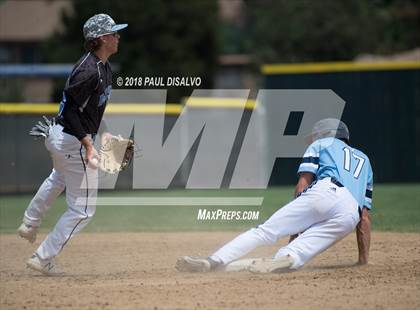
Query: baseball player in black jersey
pixel 70 143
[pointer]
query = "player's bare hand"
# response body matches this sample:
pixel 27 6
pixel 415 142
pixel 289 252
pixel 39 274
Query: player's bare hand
pixel 92 157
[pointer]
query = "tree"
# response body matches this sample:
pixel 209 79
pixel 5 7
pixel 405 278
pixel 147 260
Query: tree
pixel 303 30
pixel 164 38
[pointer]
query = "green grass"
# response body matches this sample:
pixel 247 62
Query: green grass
pixel 396 208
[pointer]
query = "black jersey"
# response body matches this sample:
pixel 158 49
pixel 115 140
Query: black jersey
pixel 85 95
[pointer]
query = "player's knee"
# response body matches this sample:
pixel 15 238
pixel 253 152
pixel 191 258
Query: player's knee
pixel 55 184
pixel 346 225
pixel 265 235
pixel 90 212
pixel 84 214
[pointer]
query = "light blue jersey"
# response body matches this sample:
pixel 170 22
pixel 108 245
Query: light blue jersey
pixel 331 157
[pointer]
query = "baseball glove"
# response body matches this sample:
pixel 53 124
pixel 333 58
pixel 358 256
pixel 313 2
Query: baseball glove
pixel 116 154
pixel 42 129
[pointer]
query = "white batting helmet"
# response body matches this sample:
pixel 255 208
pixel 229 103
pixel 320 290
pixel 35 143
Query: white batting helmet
pixel 329 127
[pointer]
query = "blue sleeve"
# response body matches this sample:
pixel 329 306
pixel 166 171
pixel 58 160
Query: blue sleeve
pixel 369 189
pixel 310 160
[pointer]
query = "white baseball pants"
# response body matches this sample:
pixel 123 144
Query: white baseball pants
pixel 325 213
pixel 80 181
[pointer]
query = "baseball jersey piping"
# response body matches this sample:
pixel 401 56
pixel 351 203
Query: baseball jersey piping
pixel 87 198
pixel 81 62
pixel 99 74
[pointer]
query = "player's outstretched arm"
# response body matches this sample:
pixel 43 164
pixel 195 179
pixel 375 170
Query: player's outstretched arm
pixel 363 236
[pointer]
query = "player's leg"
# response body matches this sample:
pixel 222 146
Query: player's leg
pixel 311 207
pixel 81 192
pixel 288 220
pixel 323 235
pixel 295 217
pixel 69 224
pixel 48 192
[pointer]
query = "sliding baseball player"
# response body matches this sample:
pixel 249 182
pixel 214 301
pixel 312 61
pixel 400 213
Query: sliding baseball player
pixel 333 197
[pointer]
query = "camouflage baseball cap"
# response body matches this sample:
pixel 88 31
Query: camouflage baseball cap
pixel 329 127
pixel 100 25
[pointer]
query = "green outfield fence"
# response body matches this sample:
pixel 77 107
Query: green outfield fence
pixel 382 111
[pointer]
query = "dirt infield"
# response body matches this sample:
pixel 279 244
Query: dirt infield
pixel 136 271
